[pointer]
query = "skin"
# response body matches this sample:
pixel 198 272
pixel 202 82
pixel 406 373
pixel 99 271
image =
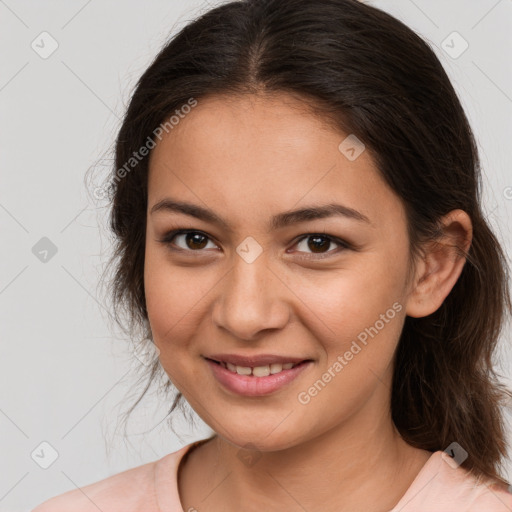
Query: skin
pixel 248 158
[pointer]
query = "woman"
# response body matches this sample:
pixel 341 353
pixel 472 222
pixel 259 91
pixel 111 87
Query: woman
pixel 296 201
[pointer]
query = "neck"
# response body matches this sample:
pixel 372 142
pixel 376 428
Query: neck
pixel 344 469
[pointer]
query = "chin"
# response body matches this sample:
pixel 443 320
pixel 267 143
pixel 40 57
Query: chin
pixel 253 440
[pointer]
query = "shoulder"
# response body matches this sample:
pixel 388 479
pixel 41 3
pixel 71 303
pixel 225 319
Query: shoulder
pixel 126 491
pixel 444 486
pixel 151 487
pixel 491 497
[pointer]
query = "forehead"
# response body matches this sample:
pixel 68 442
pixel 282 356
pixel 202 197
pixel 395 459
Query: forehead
pixel 263 154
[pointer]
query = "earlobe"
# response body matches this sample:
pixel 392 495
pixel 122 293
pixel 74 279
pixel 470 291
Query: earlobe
pixel 441 265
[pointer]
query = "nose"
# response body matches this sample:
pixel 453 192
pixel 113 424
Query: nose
pixel 252 299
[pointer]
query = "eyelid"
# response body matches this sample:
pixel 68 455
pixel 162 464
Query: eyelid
pixel 344 245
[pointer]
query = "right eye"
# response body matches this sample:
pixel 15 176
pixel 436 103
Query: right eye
pixel 193 241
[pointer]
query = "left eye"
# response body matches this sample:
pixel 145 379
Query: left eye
pixel 317 243
pixel 195 241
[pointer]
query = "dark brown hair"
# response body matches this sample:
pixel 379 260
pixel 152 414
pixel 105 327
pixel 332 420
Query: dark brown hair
pixel 370 75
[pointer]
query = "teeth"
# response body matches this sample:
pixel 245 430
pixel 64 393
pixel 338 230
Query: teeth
pixel 275 368
pixel 259 371
pixel 243 370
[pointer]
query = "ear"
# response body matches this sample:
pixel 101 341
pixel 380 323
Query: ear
pixel 440 266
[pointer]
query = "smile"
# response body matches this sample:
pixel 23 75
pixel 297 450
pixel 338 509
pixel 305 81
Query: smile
pixel 257 380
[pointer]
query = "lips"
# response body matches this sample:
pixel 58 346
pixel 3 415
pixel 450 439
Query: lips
pixel 256 375
pixel 251 385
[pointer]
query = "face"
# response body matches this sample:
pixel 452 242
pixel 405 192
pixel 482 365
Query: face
pixel 247 280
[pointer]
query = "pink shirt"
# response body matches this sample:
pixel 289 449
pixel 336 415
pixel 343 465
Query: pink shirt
pixel 152 487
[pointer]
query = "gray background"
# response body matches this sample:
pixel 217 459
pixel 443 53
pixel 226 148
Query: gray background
pixel 64 374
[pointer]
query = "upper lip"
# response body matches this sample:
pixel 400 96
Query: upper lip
pixel 256 360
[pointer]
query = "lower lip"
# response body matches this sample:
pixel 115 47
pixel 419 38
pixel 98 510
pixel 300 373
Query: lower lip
pixel 249 385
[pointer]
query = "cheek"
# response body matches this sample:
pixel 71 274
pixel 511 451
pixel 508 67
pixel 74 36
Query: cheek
pixel 174 298
pixel 159 288
pixel 361 314
pixel 361 319
pixel 343 303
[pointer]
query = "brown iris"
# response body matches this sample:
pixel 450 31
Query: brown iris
pixel 196 240
pixel 316 242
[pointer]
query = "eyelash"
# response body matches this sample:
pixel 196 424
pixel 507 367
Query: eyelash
pixel 167 240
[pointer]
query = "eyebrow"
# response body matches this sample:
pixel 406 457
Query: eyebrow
pixel 278 221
